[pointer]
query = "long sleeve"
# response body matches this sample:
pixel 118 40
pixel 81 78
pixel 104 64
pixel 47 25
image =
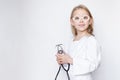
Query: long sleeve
pixel 91 59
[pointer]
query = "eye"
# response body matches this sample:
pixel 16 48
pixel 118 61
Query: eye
pixel 86 17
pixel 76 18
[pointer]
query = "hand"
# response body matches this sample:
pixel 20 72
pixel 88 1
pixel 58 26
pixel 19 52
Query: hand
pixel 63 59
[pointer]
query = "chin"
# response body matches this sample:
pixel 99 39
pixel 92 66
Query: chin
pixel 82 29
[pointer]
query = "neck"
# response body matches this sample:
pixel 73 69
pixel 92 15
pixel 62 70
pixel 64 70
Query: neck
pixel 81 34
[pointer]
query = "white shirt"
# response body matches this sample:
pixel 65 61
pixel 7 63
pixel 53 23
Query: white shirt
pixel 86 56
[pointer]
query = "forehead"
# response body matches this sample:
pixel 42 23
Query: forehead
pixel 80 12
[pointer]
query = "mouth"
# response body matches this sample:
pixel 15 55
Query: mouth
pixel 81 25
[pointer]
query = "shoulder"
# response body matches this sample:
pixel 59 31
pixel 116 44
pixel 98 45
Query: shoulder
pixel 92 40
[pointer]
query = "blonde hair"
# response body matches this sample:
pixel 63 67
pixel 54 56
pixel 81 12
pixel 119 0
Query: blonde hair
pixel 90 27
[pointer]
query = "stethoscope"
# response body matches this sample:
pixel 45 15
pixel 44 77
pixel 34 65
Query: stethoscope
pixel 60 51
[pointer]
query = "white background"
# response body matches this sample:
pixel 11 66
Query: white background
pixel 30 29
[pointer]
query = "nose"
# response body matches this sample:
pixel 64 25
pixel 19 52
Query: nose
pixel 81 20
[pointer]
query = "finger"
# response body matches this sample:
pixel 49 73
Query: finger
pixel 58 59
pixel 60 62
pixel 59 54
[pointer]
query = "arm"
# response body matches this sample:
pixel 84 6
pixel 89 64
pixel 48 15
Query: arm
pixel 90 61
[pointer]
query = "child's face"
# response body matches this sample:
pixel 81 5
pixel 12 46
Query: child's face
pixel 80 20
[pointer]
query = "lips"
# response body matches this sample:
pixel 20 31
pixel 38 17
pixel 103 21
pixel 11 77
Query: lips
pixel 81 24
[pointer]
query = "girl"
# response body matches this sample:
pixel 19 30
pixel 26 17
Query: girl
pixel 83 51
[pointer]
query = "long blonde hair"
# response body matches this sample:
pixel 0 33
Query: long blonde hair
pixel 90 27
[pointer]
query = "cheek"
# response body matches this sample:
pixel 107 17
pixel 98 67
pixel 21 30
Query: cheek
pixel 74 23
pixel 87 23
pixel 71 21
